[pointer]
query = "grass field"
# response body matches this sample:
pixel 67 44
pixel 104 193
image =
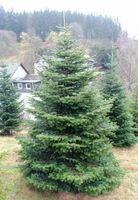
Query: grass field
pixel 14 187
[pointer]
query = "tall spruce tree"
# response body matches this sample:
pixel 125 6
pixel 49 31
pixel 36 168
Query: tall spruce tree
pixel 67 148
pixel 134 109
pixel 119 113
pixel 10 108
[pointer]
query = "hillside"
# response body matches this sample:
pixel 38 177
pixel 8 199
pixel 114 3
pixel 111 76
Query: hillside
pixel 25 35
pixel 41 23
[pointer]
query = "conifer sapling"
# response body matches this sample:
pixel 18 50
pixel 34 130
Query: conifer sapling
pixel 10 107
pixel 68 148
pixel 119 113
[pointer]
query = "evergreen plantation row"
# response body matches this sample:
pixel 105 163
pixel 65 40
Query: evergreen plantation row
pixel 69 146
pixel 41 23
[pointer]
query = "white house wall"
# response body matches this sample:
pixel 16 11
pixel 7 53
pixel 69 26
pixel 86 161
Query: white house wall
pixel 19 73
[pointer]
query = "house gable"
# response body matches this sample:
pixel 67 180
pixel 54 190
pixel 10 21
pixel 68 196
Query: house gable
pixel 19 73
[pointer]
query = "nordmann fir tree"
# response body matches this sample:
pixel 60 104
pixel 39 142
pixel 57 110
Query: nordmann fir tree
pixel 68 149
pixel 119 113
pixel 10 107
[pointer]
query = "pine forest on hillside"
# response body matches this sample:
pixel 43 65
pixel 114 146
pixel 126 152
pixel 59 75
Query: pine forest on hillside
pixel 42 23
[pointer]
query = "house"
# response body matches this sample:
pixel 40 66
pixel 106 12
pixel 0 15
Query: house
pixel 22 80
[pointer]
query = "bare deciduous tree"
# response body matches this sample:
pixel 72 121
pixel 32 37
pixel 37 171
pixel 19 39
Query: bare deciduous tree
pixel 128 60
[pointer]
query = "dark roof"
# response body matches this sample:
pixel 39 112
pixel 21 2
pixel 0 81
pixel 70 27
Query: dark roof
pixel 31 77
pixel 24 68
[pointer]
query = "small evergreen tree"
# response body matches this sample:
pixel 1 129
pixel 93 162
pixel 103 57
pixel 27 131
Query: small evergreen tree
pixel 134 109
pixel 68 149
pixel 104 57
pixel 10 108
pixel 119 113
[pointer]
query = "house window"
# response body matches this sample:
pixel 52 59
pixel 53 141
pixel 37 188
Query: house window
pixel 19 85
pixel 28 86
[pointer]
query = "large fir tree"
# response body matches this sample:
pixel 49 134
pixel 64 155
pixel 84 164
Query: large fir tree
pixel 134 109
pixel 10 107
pixel 119 113
pixel 67 149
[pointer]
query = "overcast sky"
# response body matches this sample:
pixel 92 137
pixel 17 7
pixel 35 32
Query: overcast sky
pixel 125 10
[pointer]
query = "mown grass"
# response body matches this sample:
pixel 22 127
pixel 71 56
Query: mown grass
pixel 14 187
